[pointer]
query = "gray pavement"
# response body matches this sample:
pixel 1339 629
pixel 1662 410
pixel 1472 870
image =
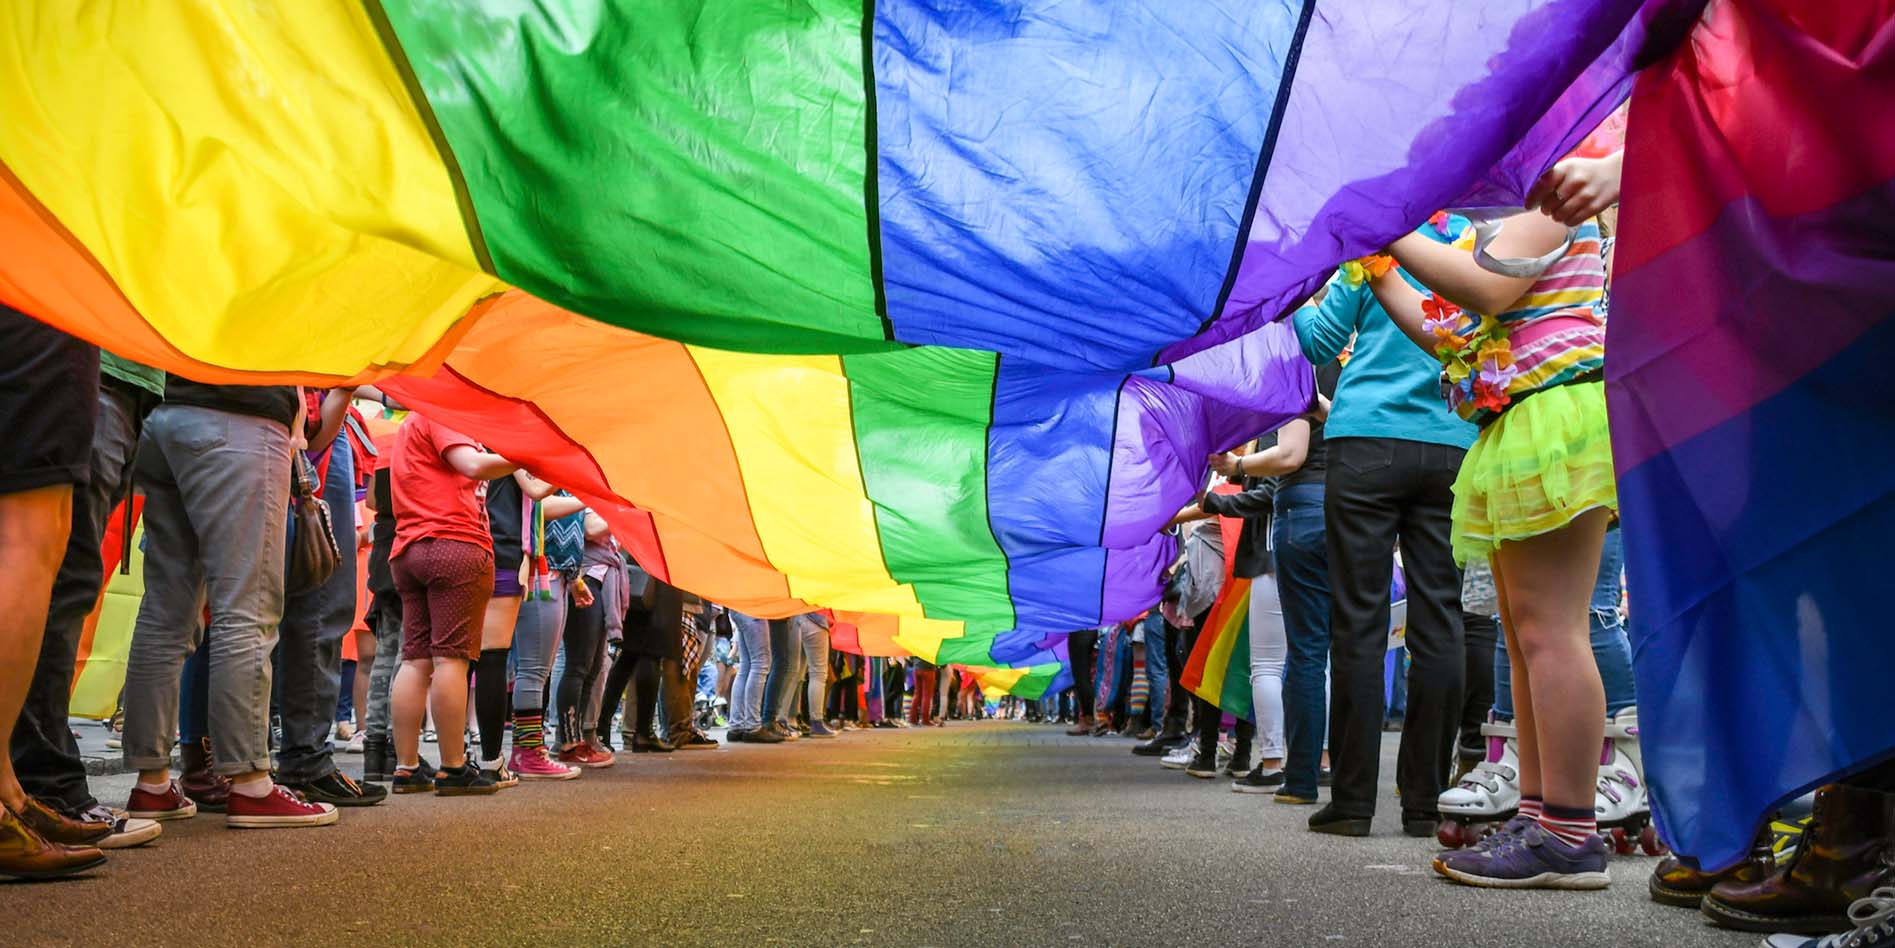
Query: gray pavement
pixel 993 833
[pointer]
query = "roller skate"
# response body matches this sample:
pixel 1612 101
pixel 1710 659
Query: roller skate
pixel 1487 797
pixel 1620 805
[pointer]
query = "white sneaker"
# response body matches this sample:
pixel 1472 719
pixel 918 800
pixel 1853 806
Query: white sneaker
pixel 354 744
pixel 1181 756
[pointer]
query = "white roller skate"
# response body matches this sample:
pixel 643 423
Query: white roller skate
pixel 1621 805
pixel 1487 796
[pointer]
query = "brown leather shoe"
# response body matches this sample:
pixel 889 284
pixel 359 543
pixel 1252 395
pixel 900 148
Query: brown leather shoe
pixel 56 827
pixel 1674 883
pixel 24 854
pixel 1081 728
pixel 208 790
pixel 1847 851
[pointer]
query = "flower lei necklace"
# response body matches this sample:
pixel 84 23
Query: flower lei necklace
pixel 1476 356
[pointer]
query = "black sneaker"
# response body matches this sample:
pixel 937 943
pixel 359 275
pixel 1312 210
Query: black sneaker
pixel 699 741
pixel 338 789
pixel 1203 766
pixel 1257 781
pixel 416 779
pixel 1336 823
pixel 764 735
pixel 737 735
pixel 1161 745
pixel 467 780
pixel 1238 766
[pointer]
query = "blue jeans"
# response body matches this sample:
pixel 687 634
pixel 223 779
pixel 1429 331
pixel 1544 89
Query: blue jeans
pixel 753 668
pixel 309 639
pixel 786 658
pixel 1302 577
pixel 1157 667
pixel 1610 647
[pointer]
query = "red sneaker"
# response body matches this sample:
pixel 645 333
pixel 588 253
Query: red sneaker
pixel 585 755
pixel 533 763
pixel 281 807
pixel 172 804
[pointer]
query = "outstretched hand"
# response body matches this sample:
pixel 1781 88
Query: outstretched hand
pixel 1577 189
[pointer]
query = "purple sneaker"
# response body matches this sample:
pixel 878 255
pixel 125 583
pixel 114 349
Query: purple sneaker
pixel 1530 858
pixel 1510 828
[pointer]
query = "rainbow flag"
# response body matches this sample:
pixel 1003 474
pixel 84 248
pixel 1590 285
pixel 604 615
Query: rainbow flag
pixel 1219 667
pixel 905 308
pixel 1753 423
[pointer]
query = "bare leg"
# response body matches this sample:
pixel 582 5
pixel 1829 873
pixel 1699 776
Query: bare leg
pixel 447 699
pixel 1526 741
pixel 1547 586
pixel 33 529
pixel 408 704
pixel 496 627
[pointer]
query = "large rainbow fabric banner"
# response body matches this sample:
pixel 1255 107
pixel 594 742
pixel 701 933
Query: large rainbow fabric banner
pixel 1753 419
pixel 921 310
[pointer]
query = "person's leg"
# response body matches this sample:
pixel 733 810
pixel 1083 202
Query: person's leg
pixel 1437 654
pixel 873 707
pixel 309 642
pixel 1545 584
pixel 584 642
pixel 1269 651
pixel 168 627
pixel 34 525
pixel 237 494
pixel 45 755
pixel 816 654
pixel 409 687
pixel 780 686
pixel 1482 636
pixel 500 619
pixel 617 677
pixel 645 698
pixel 1158 669
pixel 536 636
pixel 1611 650
pixel 753 667
pixel 1360 515
pixel 1081 647
pixel 1302 581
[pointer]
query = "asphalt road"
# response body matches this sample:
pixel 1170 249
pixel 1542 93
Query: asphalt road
pixel 975 834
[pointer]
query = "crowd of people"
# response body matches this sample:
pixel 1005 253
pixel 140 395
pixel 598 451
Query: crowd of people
pixel 1463 428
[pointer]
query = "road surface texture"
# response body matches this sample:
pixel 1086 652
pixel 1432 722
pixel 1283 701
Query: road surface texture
pixel 992 833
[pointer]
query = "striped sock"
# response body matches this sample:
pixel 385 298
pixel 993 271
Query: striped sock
pixel 529 728
pixel 1531 807
pixel 1571 824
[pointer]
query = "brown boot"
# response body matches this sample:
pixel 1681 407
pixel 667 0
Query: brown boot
pixel 56 827
pixel 1674 883
pixel 1846 853
pixel 25 854
pixel 206 789
pixel 1082 728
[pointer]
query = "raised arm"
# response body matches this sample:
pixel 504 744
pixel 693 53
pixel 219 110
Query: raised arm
pixel 475 464
pixel 1453 275
pixel 1284 457
pixel 533 487
pixel 562 506
pixel 1403 304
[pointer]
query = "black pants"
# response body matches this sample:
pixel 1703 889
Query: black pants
pixel 1482 635
pixel 584 642
pixel 628 668
pixel 894 682
pixel 1381 490
pixel 1082 647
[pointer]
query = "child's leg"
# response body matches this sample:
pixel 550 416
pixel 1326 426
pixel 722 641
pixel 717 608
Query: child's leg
pixel 1546 583
pixel 1518 693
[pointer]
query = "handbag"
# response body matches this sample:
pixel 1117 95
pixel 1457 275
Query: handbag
pixel 313 553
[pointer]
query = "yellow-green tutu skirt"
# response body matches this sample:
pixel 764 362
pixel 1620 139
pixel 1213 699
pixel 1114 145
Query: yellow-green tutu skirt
pixel 1541 464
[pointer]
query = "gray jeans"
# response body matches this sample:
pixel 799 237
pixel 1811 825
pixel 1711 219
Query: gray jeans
pixel 309 648
pixel 216 499
pixel 535 643
pixel 386 615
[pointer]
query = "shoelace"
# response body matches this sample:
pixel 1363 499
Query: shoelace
pixel 1873 917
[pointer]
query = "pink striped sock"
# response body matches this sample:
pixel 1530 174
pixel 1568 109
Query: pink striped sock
pixel 1570 823
pixel 1531 807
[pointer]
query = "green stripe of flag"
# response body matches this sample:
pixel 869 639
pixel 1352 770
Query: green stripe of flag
pixel 646 161
pixel 921 419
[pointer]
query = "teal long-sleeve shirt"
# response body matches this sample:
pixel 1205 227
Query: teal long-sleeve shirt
pixel 1390 388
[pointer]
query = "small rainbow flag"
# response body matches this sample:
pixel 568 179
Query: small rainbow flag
pixel 1219 668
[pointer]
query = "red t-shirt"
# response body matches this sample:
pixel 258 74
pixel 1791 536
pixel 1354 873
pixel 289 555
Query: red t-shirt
pixel 432 499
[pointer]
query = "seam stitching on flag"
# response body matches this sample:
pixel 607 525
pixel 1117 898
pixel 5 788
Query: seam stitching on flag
pixel 470 218
pixel 987 466
pixel 1105 505
pixel 871 186
pixel 1264 155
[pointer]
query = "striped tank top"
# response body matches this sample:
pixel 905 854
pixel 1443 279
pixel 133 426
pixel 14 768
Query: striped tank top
pixel 1555 331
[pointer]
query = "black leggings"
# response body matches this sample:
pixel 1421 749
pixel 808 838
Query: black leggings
pixel 1082 646
pixel 585 652
pixel 630 668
